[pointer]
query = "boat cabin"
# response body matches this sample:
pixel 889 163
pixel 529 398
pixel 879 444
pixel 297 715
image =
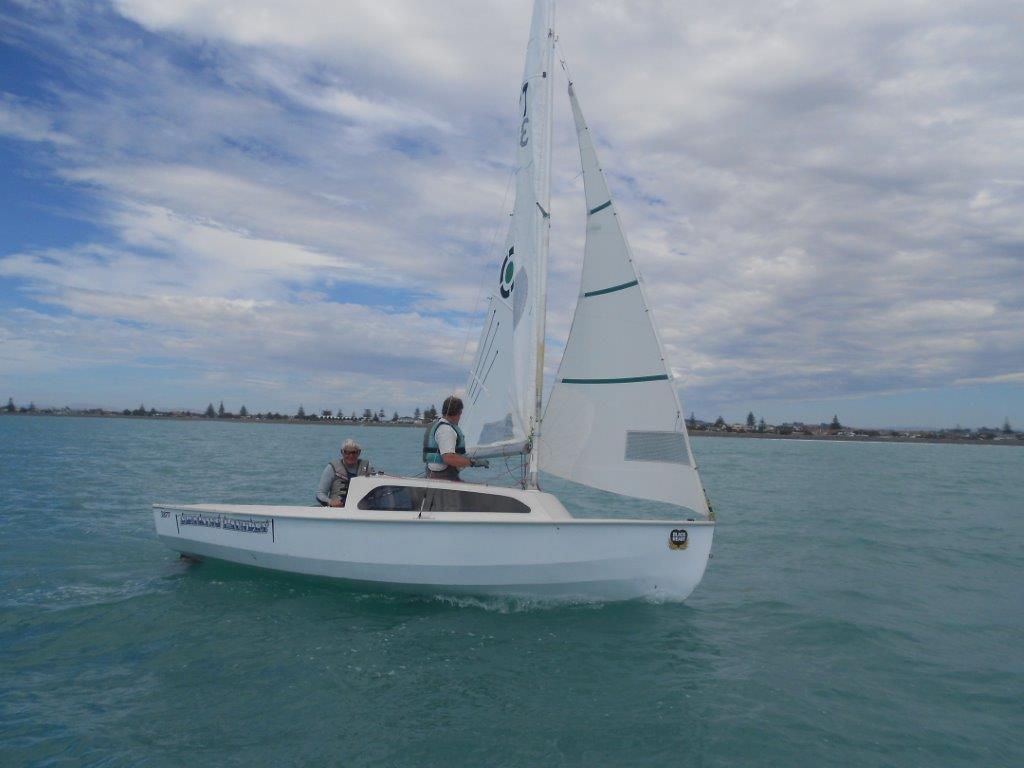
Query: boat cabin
pixel 427 497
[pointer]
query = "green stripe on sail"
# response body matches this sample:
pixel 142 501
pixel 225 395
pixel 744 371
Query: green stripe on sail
pixel 612 289
pixel 601 207
pixel 630 380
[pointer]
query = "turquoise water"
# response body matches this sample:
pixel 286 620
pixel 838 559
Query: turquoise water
pixel 864 607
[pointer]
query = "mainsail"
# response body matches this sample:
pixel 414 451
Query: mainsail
pixel 613 420
pixel 503 391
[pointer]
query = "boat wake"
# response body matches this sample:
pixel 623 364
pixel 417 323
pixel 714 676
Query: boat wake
pixel 511 604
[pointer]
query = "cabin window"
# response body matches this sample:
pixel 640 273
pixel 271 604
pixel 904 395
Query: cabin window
pixel 396 498
pixel 411 498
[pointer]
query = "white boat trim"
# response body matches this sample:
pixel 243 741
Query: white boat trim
pixel 327 513
pixel 545 509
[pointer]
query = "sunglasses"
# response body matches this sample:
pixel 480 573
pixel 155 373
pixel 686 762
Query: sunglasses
pixel 354 453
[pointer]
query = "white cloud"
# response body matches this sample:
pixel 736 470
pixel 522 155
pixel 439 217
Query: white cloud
pixel 1004 378
pixel 163 251
pixel 21 120
pixel 825 199
pixel 334 99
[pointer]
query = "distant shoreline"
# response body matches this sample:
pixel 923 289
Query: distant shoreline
pixel 861 438
pixel 406 425
pixel 224 420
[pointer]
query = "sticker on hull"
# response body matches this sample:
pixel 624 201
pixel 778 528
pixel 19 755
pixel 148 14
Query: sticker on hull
pixel 226 523
pixel 678 539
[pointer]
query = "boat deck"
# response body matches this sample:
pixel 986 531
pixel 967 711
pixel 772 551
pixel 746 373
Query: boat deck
pixel 343 513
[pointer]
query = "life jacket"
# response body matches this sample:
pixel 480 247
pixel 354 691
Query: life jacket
pixel 431 453
pixel 339 485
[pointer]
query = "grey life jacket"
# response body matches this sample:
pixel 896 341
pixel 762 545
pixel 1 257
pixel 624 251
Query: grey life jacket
pixel 339 485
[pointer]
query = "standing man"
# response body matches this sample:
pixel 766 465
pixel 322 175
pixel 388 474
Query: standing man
pixel 444 445
pixel 334 479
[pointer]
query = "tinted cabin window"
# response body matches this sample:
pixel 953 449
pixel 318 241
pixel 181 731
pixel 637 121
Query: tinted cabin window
pixel 409 498
pixel 397 498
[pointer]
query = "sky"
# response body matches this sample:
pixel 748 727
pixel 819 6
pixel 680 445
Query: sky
pixel 275 203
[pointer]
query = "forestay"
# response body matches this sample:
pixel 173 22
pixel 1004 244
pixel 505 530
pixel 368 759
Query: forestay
pixel 613 420
pixel 502 391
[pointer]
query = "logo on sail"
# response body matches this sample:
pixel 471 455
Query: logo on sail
pixel 678 539
pixel 508 272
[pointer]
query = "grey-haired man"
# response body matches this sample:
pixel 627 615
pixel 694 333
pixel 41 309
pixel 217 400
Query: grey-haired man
pixel 336 475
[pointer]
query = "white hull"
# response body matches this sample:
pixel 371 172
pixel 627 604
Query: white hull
pixel 566 559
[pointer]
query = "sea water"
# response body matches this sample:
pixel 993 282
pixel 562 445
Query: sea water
pixel 864 607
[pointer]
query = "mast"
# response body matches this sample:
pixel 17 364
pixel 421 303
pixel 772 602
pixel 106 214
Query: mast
pixel 542 248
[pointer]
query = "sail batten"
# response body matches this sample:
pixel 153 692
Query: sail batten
pixel 613 420
pixel 613 289
pixel 623 380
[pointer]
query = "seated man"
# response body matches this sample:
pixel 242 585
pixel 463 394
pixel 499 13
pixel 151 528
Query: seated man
pixel 336 475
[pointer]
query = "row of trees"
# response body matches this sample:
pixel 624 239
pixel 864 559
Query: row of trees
pixel 12 408
pixel 220 412
pixel 223 413
pixel 833 427
pixel 755 424
pixel 369 414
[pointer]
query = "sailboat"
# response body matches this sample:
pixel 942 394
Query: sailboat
pixel 612 421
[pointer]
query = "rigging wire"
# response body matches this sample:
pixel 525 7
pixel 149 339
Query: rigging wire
pixel 578 263
pixel 484 271
pixel 561 58
pixel 513 171
pixel 490 257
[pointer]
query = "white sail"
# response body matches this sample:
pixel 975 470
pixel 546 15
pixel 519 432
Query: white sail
pixel 614 420
pixel 502 394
